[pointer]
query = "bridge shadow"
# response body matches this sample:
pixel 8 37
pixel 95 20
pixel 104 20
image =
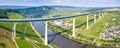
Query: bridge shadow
pixel 81 45
pixel 84 23
pixel 10 30
pixel 51 37
pixel 54 35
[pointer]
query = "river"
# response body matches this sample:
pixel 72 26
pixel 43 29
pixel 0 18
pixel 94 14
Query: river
pixel 59 40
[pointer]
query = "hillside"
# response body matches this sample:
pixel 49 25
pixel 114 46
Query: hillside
pixel 25 36
pixel 40 11
pixel 3 13
pixel 56 10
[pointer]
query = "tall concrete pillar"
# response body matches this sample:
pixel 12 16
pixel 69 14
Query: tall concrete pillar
pixel 102 13
pixel 46 33
pixel 99 15
pixel 73 31
pixel 87 22
pixel 14 29
pixel 94 18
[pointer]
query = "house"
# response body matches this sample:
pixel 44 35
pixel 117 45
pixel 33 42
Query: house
pixel 61 23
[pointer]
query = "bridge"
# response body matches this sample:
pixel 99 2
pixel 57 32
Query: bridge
pixel 52 18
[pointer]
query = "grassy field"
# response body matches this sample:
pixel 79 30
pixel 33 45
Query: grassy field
pixel 6 42
pixel 90 35
pixel 25 36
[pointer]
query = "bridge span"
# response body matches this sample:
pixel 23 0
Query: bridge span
pixel 46 19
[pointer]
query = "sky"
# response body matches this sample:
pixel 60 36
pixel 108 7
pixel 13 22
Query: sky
pixel 76 3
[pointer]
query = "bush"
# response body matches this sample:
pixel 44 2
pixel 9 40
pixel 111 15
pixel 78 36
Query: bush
pixel 117 40
pixel 3 45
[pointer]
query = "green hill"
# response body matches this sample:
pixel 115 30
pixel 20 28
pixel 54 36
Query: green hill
pixel 25 36
pixel 3 13
pixel 57 10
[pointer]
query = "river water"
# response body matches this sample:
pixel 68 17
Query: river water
pixel 58 40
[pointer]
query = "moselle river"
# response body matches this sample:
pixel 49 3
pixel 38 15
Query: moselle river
pixel 58 40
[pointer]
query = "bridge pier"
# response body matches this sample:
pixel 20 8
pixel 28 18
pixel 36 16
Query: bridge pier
pixel 94 18
pixel 25 27
pixel 102 13
pixel 73 31
pixel 14 29
pixel 99 15
pixel 87 22
pixel 46 33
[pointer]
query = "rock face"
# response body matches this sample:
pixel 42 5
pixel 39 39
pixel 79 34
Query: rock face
pixel 112 32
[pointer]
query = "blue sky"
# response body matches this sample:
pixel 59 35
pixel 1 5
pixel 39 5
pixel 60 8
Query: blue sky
pixel 78 3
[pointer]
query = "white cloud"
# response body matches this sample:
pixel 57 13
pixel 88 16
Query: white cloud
pixel 57 0
pixel 105 1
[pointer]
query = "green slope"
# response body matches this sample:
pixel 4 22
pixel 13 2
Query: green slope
pixel 20 36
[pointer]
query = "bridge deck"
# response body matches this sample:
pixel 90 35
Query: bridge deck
pixel 43 19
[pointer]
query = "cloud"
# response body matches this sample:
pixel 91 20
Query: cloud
pixel 58 1
pixel 105 1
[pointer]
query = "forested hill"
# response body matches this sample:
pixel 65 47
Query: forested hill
pixel 43 10
pixel 4 12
